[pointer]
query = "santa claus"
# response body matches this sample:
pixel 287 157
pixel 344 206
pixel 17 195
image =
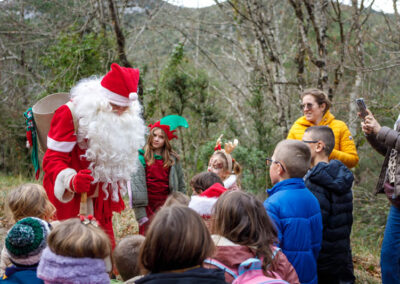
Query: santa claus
pixel 93 144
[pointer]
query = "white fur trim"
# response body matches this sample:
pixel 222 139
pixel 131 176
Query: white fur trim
pixel 60 146
pixel 133 96
pixel 116 98
pixel 202 205
pixel 229 181
pixel 61 186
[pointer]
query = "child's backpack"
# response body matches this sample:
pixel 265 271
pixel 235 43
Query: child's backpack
pixel 249 272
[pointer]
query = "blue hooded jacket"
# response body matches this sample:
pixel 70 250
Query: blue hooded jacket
pixel 18 274
pixel 297 216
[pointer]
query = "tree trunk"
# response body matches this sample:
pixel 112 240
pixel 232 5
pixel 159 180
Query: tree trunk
pixel 118 35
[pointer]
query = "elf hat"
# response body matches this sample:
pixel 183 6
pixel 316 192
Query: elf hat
pixel 26 241
pixel 121 84
pixel 169 124
pixel 203 203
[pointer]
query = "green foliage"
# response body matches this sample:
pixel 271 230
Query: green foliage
pixel 75 56
pixel 185 90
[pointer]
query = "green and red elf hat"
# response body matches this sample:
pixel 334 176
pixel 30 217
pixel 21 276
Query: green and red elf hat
pixel 169 124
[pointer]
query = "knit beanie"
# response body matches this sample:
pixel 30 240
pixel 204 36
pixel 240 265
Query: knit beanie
pixel 54 268
pixel 26 241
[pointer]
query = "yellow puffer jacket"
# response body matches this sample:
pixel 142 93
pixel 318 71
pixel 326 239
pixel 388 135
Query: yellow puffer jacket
pixel 345 149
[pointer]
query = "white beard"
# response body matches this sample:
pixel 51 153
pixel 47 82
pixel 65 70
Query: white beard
pixel 111 141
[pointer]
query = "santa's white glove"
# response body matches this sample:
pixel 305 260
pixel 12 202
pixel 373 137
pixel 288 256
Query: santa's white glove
pixel 143 220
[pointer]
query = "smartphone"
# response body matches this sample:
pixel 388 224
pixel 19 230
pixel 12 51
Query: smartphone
pixel 362 108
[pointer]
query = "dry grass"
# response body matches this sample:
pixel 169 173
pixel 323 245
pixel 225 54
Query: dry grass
pixel 125 224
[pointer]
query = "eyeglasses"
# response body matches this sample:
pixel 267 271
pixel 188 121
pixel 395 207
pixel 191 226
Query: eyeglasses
pixel 269 161
pixel 306 106
pixel 310 141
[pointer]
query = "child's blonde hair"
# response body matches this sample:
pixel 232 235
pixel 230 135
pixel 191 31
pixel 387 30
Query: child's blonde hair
pixel 236 168
pixel 74 239
pixel 30 200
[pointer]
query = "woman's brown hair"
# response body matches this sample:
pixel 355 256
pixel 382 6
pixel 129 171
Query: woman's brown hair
pixel 177 239
pixel 30 200
pixel 319 96
pixel 74 239
pixel 241 218
pixel 167 151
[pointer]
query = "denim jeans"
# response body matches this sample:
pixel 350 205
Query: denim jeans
pixel 390 253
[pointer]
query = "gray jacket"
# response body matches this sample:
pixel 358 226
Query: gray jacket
pixel 383 143
pixel 139 187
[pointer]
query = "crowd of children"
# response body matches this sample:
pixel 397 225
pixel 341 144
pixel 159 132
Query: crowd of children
pixel 301 234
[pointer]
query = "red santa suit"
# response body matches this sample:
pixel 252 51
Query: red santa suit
pixel 68 146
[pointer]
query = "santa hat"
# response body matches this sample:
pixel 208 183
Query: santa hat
pixel 121 84
pixel 204 202
pixel 26 241
pixel 169 124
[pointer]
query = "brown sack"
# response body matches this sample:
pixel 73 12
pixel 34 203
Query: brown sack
pixel 43 112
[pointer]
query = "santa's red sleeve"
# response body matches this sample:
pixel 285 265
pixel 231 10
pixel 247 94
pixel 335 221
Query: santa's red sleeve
pixel 61 140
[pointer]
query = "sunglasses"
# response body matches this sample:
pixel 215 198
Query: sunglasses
pixel 306 106
pixel 310 141
pixel 269 161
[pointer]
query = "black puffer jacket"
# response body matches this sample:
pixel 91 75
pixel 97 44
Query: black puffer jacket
pixel 331 184
pixel 198 275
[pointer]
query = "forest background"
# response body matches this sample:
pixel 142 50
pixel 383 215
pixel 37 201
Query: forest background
pixel 236 68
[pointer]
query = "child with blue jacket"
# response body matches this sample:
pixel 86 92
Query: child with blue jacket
pixel 331 183
pixel 294 209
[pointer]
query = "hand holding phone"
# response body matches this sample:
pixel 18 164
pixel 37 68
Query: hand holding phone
pixel 362 108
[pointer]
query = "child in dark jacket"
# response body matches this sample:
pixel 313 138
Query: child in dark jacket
pixel 331 182
pixel 294 209
pixel 24 245
pixel 175 247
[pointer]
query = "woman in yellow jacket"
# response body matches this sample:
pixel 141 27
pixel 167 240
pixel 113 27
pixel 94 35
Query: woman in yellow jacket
pixel 316 112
